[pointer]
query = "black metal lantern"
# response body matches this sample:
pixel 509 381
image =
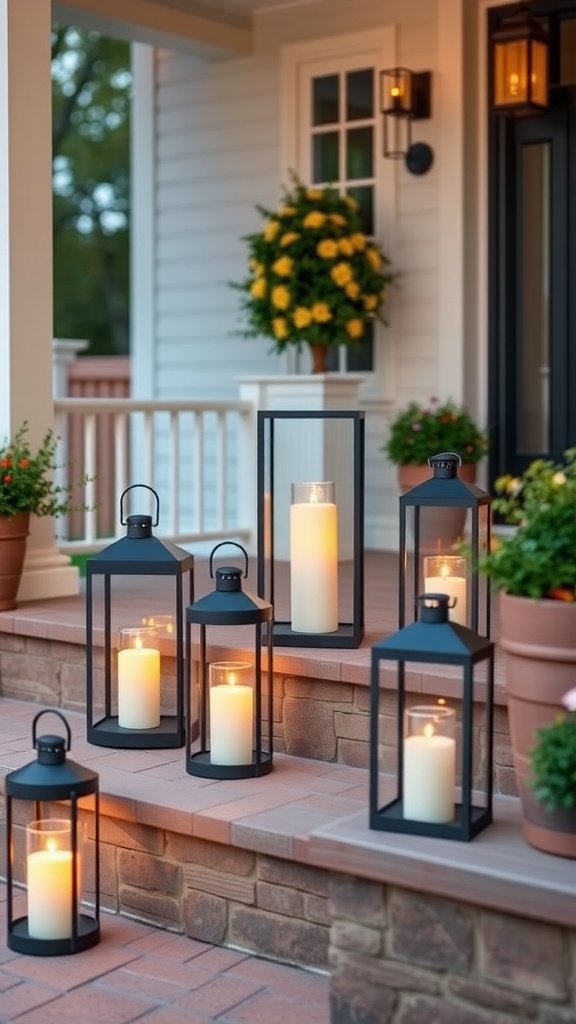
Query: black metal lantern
pixel 229 703
pixel 444 530
pixel 311 525
pixel 49 804
pixel 132 702
pixel 442 761
pixel 520 64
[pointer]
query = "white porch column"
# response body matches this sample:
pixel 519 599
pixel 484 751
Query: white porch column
pixel 26 261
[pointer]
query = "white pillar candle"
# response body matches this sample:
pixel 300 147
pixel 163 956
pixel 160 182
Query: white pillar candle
pixel 231 713
pixel 445 574
pixel 138 680
pixel 313 559
pixel 429 766
pixel 49 879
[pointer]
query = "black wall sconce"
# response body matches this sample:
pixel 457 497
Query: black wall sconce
pixel 520 64
pixel 404 98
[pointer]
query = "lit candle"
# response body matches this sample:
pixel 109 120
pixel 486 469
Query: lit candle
pixel 314 558
pixel 138 680
pixel 49 880
pixel 429 766
pixel 446 574
pixel 231 713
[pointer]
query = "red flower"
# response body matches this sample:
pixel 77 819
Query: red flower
pixel 7 479
pixel 23 463
pixel 5 463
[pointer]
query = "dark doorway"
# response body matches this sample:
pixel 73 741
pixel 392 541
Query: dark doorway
pixel 532 267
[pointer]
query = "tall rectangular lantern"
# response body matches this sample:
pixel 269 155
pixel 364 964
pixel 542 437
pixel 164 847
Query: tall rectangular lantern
pixel 311 525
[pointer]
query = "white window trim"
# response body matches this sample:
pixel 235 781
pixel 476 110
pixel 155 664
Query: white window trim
pixel 375 49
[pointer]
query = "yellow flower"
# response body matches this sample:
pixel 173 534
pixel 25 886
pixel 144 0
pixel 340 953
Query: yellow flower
pixel 373 257
pixel 288 238
pixel 271 230
pixel 321 312
pixel 358 241
pixel 370 302
pixel 345 246
pixel 351 202
pixel 302 316
pixel 287 211
pixel 341 274
pixel 314 219
pixel 314 194
pixel 327 249
pixel 258 288
pixel 559 479
pixel 280 297
pixel 338 220
pixel 280 327
pixel 283 266
pixel 256 267
pixel 355 328
pixel 352 290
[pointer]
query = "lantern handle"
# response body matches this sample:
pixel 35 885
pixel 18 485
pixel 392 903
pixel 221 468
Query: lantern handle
pixel 52 711
pixel 234 545
pixel 123 521
pixel 445 455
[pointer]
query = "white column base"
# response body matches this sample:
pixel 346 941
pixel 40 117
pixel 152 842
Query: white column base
pixel 48 573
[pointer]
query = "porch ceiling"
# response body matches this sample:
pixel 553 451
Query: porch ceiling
pixel 213 29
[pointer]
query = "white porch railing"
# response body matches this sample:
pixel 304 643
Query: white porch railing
pixel 199 457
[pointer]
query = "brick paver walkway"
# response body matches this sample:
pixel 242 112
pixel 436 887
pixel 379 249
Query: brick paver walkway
pixel 140 973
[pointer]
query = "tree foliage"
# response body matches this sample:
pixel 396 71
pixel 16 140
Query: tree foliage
pixel 91 95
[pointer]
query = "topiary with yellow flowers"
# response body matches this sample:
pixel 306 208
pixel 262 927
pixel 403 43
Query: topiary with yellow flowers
pixel 313 275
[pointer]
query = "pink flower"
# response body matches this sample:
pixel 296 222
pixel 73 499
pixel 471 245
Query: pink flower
pixel 569 699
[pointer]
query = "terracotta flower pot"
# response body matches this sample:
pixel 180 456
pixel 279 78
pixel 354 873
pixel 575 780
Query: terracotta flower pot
pixel 319 354
pixel 539 641
pixel 13 536
pixel 441 528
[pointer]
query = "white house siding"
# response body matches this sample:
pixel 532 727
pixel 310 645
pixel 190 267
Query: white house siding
pixel 217 152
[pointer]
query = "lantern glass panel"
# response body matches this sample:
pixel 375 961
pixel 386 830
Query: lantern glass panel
pixel 396 92
pixel 539 73
pixel 511 73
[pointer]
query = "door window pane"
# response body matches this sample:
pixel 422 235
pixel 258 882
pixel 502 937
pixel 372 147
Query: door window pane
pixel 568 51
pixel 325 157
pixel 534 341
pixel 364 196
pixel 325 97
pixel 359 153
pixel 359 95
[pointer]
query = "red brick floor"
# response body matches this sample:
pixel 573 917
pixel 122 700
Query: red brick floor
pixel 140 973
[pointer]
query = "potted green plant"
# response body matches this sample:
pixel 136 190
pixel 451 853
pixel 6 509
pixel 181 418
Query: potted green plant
pixel 534 570
pixel 27 487
pixel 314 277
pixel 553 760
pixel 419 431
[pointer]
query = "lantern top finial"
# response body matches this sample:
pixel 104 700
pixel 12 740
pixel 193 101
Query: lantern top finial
pixel 433 608
pixel 445 464
pixel 229 578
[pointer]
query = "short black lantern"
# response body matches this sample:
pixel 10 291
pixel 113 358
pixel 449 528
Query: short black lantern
pixel 444 530
pixel 311 525
pixel 442 761
pixel 132 701
pixel 49 806
pixel 229 702
pixel 520 73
